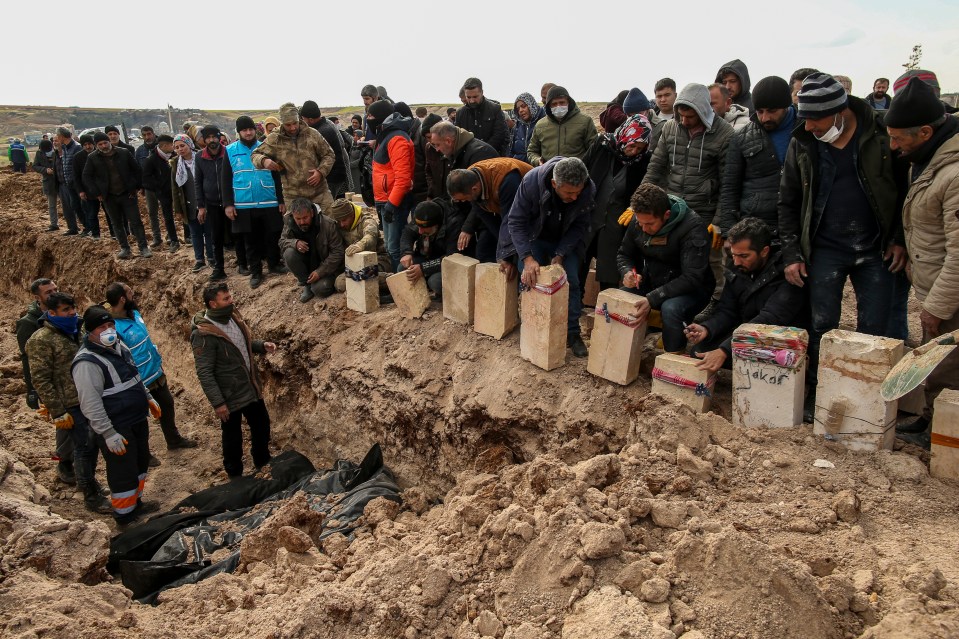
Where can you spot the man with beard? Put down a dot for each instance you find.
(66, 150)
(879, 99)
(459, 149)
(483, 117)
(312, 248)
(735, 77)
(141, 154)
(157, 178)
(338, 179)
(210, 200)
(253, 200)
(431, 237)
(928, 138)
(756, 292)
(754, 162)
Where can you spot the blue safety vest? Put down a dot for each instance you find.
(252, 188)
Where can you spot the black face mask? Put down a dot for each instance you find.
(375, 123)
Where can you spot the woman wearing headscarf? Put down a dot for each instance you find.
(528, 112)
(182, 170)
(617, 163)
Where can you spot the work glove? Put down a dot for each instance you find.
(43, 412)
(626, 217)
(116, 443)
(63, 422)
(716, 232)
(388, 212)
(33, 400)
(155, 409)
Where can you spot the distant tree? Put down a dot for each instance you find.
(914, 58)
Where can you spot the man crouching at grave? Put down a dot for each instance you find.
(360, 231)
(756, 292)
(423, 245)
(665, 257)
(548, 224)
(312, 249)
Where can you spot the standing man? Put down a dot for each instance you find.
(338, 179)
(27, 325)
(112, 176)
(114, 134)
(116, 403)
(157, 178)
(879, 99)
(67, 148)
(44, 163)
(253, 200)
(223, 349)
(839, 213)
(133, 333)
(141, 154)
(483, 117)
(722, 104)
(928, 138)
(17, 154)
(51, 351)
(665, 96)
(735, 77)
(393, 164)
(300, 155)
(565, 130)
(548, 224)
(90, 206)
(210, 198)
(312, 248)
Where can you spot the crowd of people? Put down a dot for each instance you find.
(719, 204)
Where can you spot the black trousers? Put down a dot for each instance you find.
(126, 473)
(258, 419)
(218, 221)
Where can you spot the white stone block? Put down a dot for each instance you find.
(459, 273)
(766, 393)
(615, 349)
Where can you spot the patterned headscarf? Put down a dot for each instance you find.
(186, 139)
(636, 128)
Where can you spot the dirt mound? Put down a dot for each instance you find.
(536, 504)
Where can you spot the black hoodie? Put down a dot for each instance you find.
(745, 98)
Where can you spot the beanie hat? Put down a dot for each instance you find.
(821, 95)
(342, 209)
(403, 109)
(110, 129)
(310, 110)
(428, 214)
(915, 105)
(289, 113)
(381, 109)
(46, 145)
(208, 130)
(772, 93)
(100, 136)
(95, 316)
(244, 122)
(86, 138)
(926, 76)
(429, 121)
(635, 102)
(271, 120)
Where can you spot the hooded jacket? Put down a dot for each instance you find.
(220, 365)
(208, 177)
(534, 201)
(485, 121)
(393, 161)
(298, 155)
(745, 98)
(570, 137)
(691, 168)
(522, 130)
(672, 264)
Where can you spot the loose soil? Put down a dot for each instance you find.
(536, 505)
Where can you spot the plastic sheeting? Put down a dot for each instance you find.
(177, 548)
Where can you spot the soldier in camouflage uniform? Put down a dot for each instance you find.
(360, 231)
(301, 156)
(51, 350)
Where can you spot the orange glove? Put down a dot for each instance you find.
(63, 422)
(155, 409)
(626, 217)
(717, 236)
(43, 412)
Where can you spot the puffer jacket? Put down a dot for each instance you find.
(881, 175)
(930, 218)
(750, 180)
(523, 130)
(691, 169)
(220, 366)
(745, 98)
(486, 122)
(673, 264)
(569, 138)
(298, 155)
(51, 354)
(737, 116)
(393, 161)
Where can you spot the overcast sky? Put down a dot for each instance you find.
(214, 54)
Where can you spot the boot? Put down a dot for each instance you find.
(94, 501)
(278, 269)
(256, 278)
(65, 473)
(707, 312)
(307, 294)
(920, 425)
(154, 462)
(180, 442)
(809, 407)
(576, 343)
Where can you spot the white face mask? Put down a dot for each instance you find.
(560, 112)
(108, 337)
(833, 133)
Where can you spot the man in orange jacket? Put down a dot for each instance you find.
(393, 162)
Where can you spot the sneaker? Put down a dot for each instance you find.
(156, 244)
(279, 269)
(154, 462)
(707, 312)
(218, 275)
(255, 280)
(96, 502)
(65, 233)
(918, 425)
(576, 343)
(242, 270)
(146, 252)
(198, 266)
(174, 247)
(306, 295)
(124, 254)
(183, 442)
(66, 474)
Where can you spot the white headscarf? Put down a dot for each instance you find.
(184, 168)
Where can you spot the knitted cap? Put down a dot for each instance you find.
(100, 136)
(342, 209)
(772, 93)
(289, 113)
(915, 105)
(245, 122)
(209, 130)
(310, 110)
(110, 129)
(635, 102)
(926, 76)
(381, 109)
(95, 316)
(821, 96)
(428, 214)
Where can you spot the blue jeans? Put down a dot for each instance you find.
(872, 282)
(674, 312)
(202, 235)
(544, 252)
(91, 215)
(71, 206)
(392, 231)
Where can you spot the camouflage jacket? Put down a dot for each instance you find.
(298, 156)
(365, 234)
(220, 366)
(51, 358)
(26, 327)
